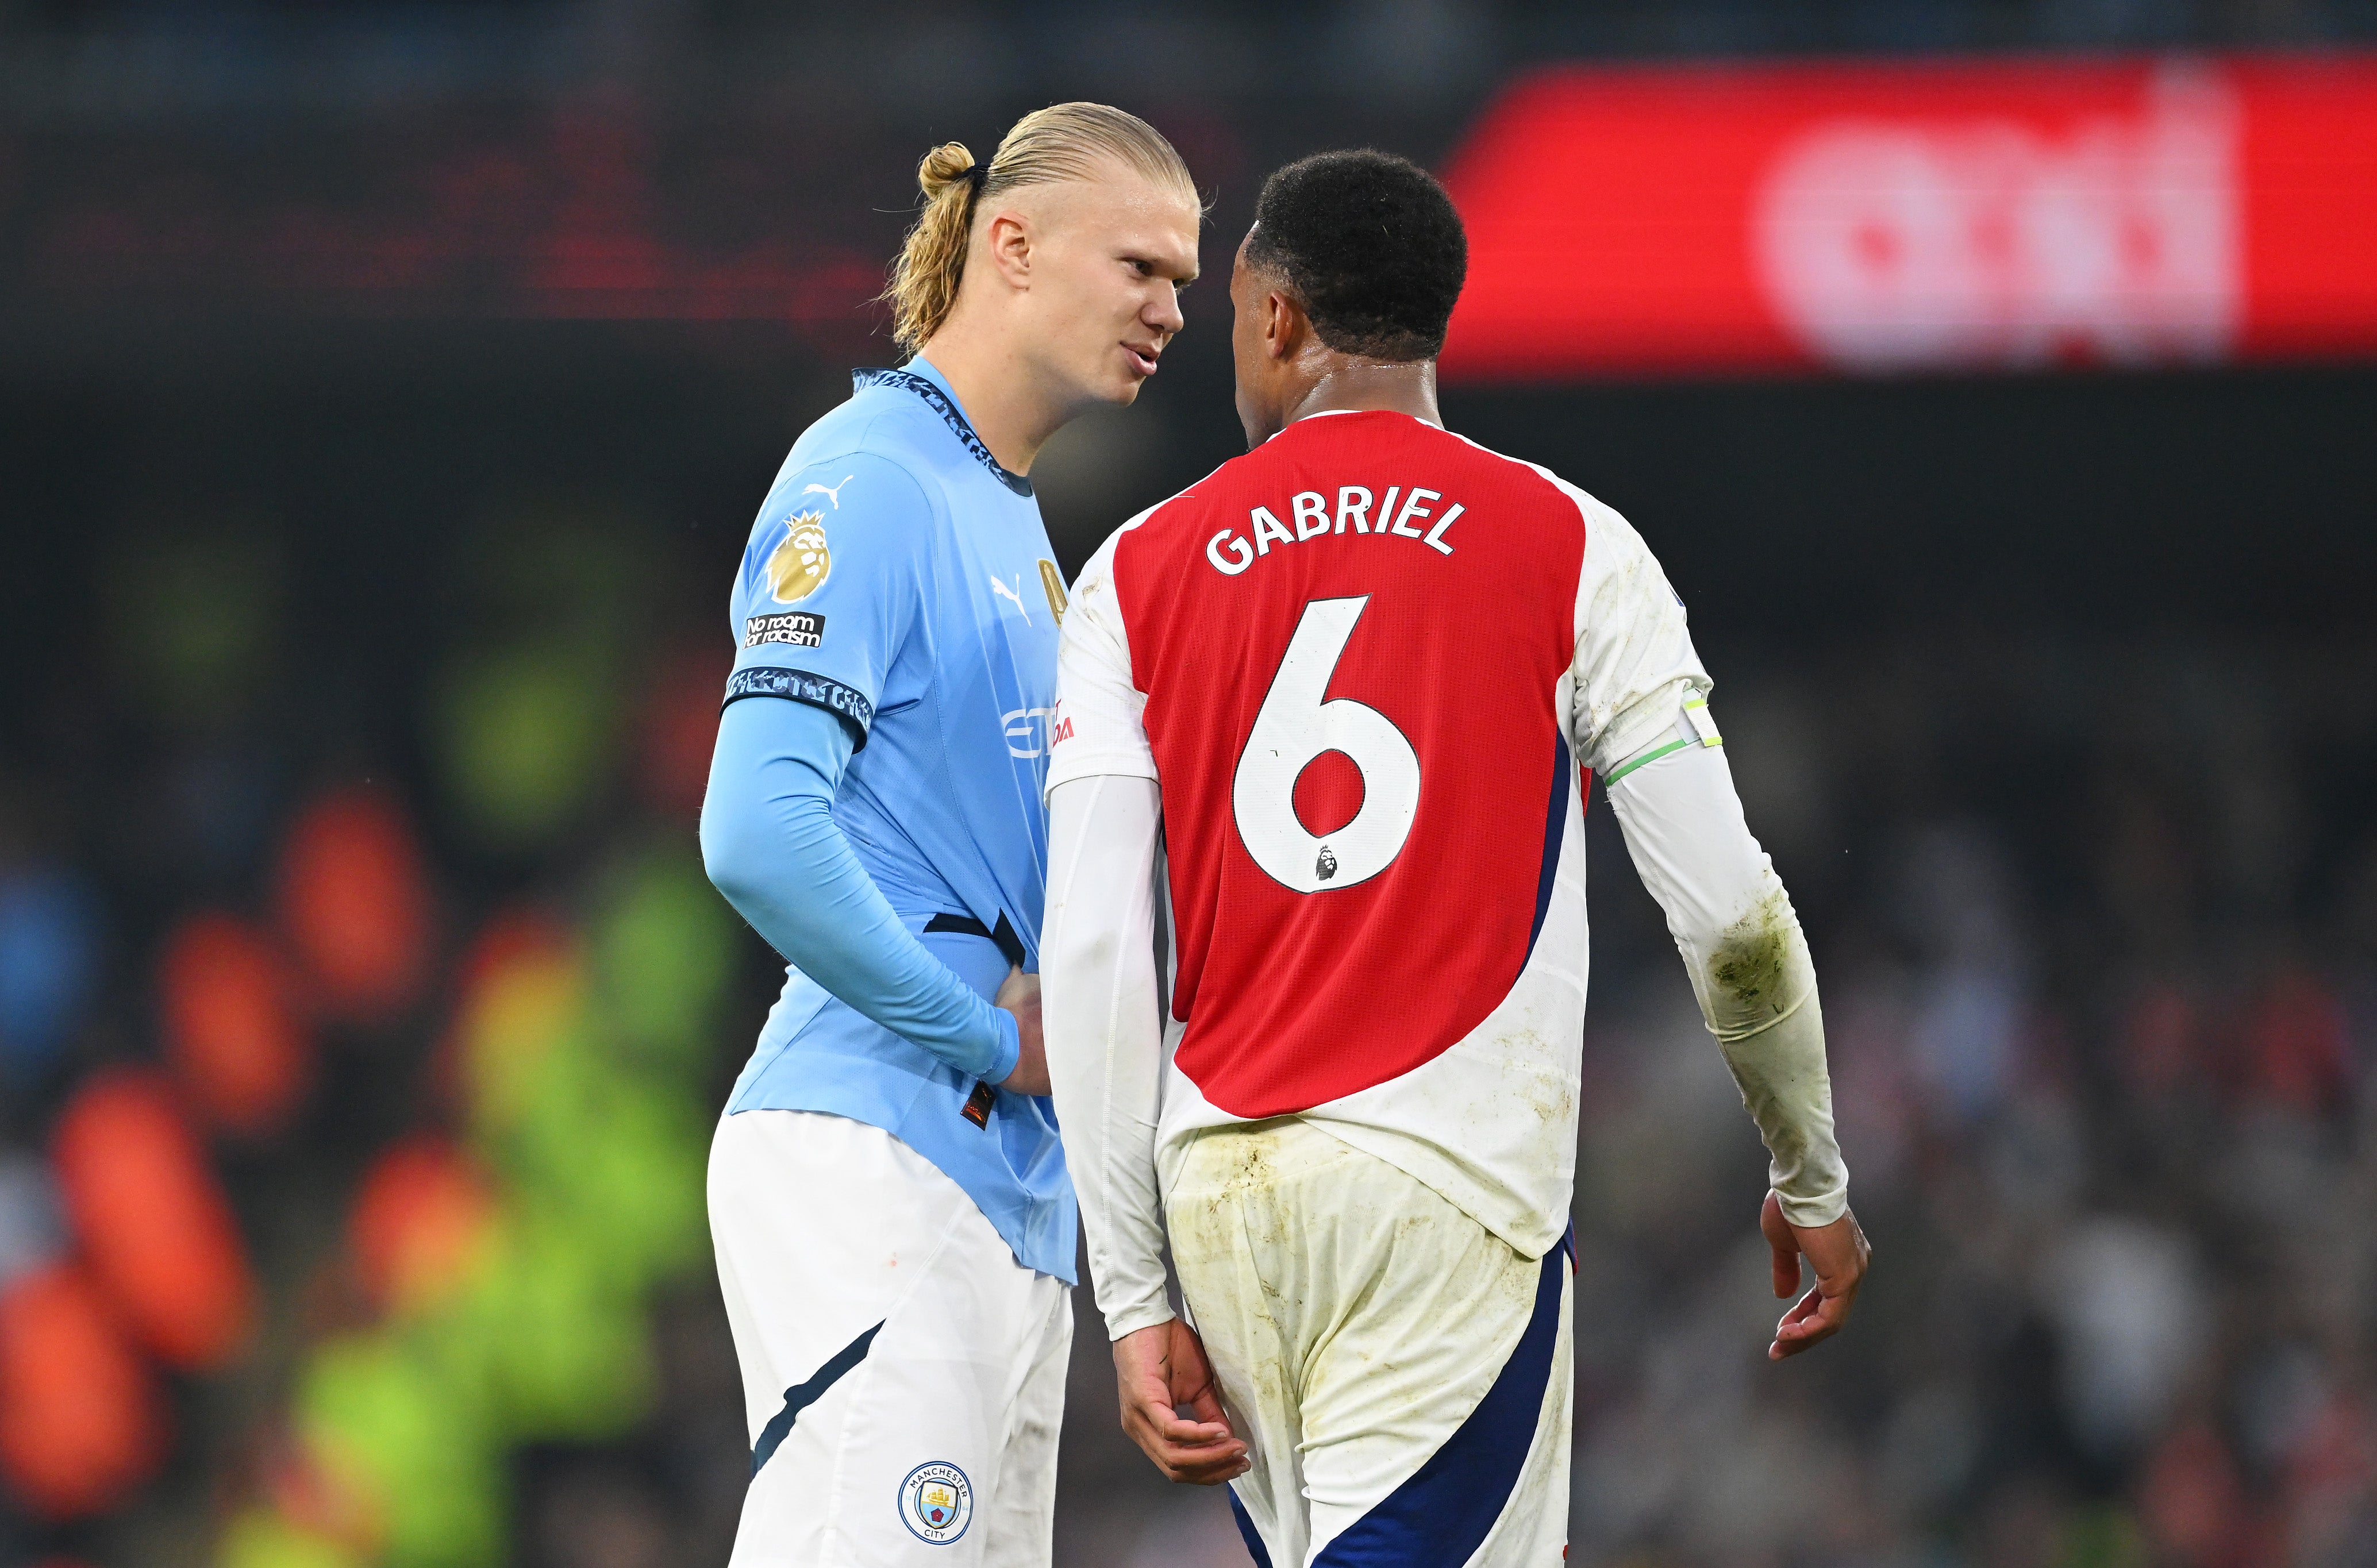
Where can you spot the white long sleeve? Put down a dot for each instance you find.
(1101, 1012)
(1748, 963)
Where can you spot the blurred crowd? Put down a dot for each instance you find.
(2094, 930)
(357, 1081)
(358, 1060)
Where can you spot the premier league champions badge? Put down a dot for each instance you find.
(937, 1502)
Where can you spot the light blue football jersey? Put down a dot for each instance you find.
(898, 577)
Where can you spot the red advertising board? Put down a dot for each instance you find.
(1884, 217)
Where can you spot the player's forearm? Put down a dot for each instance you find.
(1784, 1083)
(1105, 1044)
(770, 843)
(1748, 958)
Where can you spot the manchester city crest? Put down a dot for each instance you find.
(937, 1502)
(799, 567)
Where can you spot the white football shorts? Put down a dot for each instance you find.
(1399, 1372)
(903, 1376)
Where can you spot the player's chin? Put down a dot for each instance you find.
(1128, 371)
(1122, 388)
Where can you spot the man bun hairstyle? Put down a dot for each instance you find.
(1370, 244)
(1064, 141)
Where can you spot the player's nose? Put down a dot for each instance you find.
(1163, 313)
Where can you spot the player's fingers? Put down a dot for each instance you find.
(1186, 1451)
(1815, 1318)
(1206, 1405)
(1192, 1434)
(1786, 1272)
(1198, 1445)
(1784, 1245)
(1203, 1466)
(1210, 1474)
(1161, 1422)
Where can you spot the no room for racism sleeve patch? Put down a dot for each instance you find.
(796, 627)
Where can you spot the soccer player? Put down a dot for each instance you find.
(893, 1225)
(1337, 705)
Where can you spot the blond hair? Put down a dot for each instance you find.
(1064, 141)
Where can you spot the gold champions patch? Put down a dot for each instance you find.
(800, 565)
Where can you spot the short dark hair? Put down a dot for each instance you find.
(1371, 246)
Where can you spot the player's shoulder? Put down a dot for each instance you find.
(1607, 533)
(855, 462)
(1537, 476)
(1092, 598)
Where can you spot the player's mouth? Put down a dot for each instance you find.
(1142, 360)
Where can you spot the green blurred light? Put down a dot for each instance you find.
(663, 946)
(417, 1440)
(193, 614)
(526, 740)
(259, 1538)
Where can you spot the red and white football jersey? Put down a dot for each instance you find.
(1370, 665)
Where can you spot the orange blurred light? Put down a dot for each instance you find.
(354, 900)
(152, 1219)
(419, 1222)
(229, 1030)
(81, 1423)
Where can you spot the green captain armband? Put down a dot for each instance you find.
(1695, 727)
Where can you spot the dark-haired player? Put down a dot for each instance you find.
(1338, 701)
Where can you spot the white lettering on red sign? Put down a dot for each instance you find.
(1898, 244)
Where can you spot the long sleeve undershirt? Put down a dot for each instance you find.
(771, 845)
(1098, 997)
(1747, 958)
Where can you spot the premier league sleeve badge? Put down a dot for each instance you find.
(937, 1502)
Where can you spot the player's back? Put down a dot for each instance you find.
(1364, 650)
(1351, 641)
(1360, 663)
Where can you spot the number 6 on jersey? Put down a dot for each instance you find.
(1294, 727)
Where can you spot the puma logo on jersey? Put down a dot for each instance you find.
(832, 494)
(999, 588)
(1231, 554)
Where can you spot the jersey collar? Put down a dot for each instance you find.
(919, 376)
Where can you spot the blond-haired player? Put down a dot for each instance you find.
(894, 1228)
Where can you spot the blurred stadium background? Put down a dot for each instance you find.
(385, 392)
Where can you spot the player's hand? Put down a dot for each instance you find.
(1156, 1372)
(1021, 996)
(1839, 1253)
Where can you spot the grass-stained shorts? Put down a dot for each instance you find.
(1400, 1373)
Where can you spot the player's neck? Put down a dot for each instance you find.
(1406, 387)
(1008, 406)
(1011, 402)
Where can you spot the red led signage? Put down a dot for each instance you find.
(1873, 217)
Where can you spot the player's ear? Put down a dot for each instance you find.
(1006, 246)
(1284, 325)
